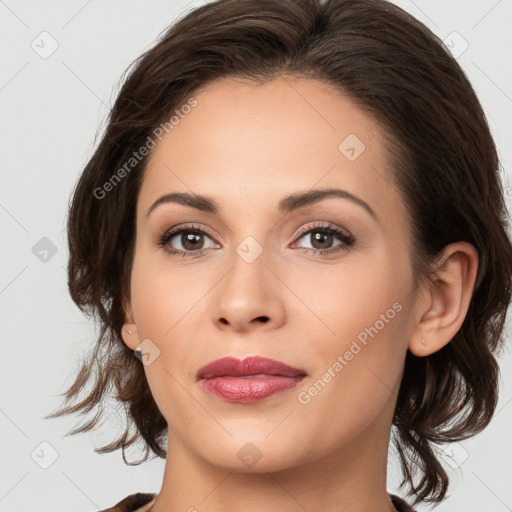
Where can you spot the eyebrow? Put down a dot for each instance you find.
(287, 204)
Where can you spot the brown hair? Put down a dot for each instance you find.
(445, 164)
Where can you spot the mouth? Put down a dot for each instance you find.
(249, 380)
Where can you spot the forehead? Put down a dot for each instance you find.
(258, 142)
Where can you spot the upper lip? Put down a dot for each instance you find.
(253, 365)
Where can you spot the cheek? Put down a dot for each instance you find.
(349, 299)
(163, 306)
(358, 370)
(163, 299)
(363, 315)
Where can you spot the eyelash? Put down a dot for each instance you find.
(348, 240)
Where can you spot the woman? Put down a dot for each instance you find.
(294, 220)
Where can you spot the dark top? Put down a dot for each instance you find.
(135, 501)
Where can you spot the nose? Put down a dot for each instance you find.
(249, 297)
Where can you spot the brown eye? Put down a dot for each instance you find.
(322, 239)
(187, 241)
(191, 241)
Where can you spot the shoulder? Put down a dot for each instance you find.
(132, 503)
(400, 504)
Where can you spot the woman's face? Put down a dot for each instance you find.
(268, 278)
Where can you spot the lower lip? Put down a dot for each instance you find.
(248, 390)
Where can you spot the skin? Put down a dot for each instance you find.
(247, 147)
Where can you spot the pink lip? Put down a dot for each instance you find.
(240, 380)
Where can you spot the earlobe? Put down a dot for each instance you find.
(422, 347)
(444, 307)
(129, 330)
(130, 335)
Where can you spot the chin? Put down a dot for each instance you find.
(258, 455)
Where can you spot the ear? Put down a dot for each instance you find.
(129, 330)
(446, 299)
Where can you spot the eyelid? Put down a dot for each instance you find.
(174, 230)
(304, 229)
(325, 225)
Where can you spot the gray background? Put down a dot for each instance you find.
(52, 106)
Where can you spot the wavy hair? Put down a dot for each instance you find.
(443, 158)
